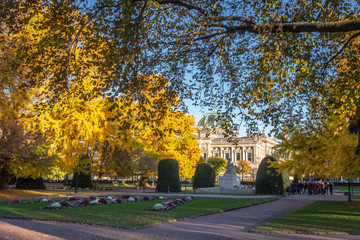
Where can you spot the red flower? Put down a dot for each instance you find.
(15, 201)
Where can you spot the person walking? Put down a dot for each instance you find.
(327, 187)
(310, 188)
(331, 186)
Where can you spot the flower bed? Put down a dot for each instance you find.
(17, 201)
(72, 188)
(72, 202)
(165, 206)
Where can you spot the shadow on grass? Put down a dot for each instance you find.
(319, 217)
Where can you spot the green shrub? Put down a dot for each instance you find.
(268, 181)
(84, 180)
(168, 176)
(218, 163)
(204, 176)
(29, 183)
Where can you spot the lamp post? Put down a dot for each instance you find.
(77, 178)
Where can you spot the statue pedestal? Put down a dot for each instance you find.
(229, 180)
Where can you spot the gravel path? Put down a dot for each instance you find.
(229, 225)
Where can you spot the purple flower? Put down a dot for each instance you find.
(85, 202)
(146, 198)
(168, 196)
(79, 202)
(92, 198)
(73, 198)
(64, 204)
(102, 201)
(126, 196)
(118, 200)
(14, 201)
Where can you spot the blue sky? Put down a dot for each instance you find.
(199, 112)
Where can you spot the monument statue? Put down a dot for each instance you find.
(230, 178)
(230, 168)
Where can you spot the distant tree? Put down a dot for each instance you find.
(218, 163)
(143, 165)
(243, 167)
(22, 153)
(111, 161)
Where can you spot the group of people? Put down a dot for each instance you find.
(311, 187)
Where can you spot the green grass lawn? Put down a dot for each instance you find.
(125, 214)
(319, 217)
(235, 193)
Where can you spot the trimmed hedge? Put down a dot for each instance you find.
(204, 176)
(30, 183)
(268, 181)
(168, 176)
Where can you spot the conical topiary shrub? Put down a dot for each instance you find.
(204, 176)
(168, 176)
(268, 181)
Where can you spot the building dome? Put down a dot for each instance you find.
(212, 120)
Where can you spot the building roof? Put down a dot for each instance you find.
(212, 120)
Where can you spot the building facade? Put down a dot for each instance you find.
(213, 143)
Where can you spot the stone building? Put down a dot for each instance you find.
(213, 143)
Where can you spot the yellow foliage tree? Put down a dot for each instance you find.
(320, 154)
(67, 75)
(80, 124)
(156, 124)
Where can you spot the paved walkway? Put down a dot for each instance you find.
(229, 225)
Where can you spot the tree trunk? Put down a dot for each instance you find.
(66, 180)
(5, 177)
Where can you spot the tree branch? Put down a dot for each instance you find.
(196, 39)
(183, 4)
(297, 27)
(339, 52)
